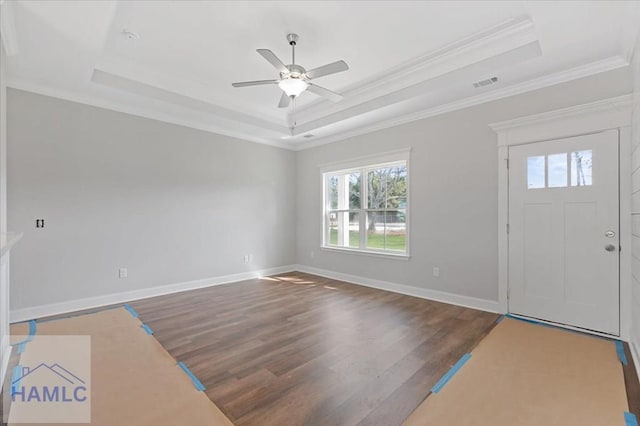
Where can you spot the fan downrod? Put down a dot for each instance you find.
(292, 38)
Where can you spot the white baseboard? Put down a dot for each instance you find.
(6, 355)
(24, 314)
(424, 293)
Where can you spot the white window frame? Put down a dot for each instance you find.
(363, 164)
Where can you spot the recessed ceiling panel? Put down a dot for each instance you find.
(400, 54)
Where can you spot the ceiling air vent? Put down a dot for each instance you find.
(130, 35)
(486, 82)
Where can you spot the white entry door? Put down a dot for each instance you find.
(563, 231)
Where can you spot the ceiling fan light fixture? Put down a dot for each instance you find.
(293, 79)
(293, 86)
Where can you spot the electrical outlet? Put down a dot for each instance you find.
(436, 271)
(39, 223)
(312, 254)
(122, 273)
(247, 258)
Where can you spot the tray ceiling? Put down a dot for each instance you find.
(407, 59)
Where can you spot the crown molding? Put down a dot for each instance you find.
(604, 65)
(132, 77)
(591, 117)
(7, 28)
(607, 64)
(96, 101)
(498, 39)
(619, 103)
(137, 87)
(450, 80)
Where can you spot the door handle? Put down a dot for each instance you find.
(610, 247)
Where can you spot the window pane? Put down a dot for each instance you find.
(396, 188)
(387, 187)
(557, 170)
(375, 230)
(376, 185)
(332, 192)
(352, 194)
(535, 172)
(396, 230)
(354, 190)
(354, 230)
(343, 191)
(581, 168)
(332, 233)
(344, 229)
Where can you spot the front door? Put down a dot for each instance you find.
(563, 231)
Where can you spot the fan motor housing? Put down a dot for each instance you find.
(296, 71)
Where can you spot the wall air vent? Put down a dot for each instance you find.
(486, 82)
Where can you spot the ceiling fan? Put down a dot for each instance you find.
(294, 79)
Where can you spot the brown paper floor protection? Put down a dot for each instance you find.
(134, 380)
(526, 374)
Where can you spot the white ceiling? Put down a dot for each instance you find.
(407, 59)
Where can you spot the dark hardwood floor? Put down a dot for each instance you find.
(300, 349)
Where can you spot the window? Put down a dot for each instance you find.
(365, 208)
(560, 170)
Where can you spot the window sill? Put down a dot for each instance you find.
(367, 253)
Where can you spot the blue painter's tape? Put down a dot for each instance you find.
(557, 327)
(192, 376)
(132, 311)
(445, 379)
(630, 419)
(500, 318)
(15, 379)
(32, 333)
(529, 320)
(146, 328)
(620, 350)
(75, 315)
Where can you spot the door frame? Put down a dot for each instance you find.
(593, 117)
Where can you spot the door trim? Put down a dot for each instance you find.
(595, 117)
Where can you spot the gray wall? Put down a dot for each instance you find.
(3, 140)
(4, 284)
(635, 199)
(173, 204)
(169, 203)
(454, 184)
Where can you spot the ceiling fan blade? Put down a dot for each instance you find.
(273, 59)
(331, 68)
(318, 90)
(284, 101)
(254, 83)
